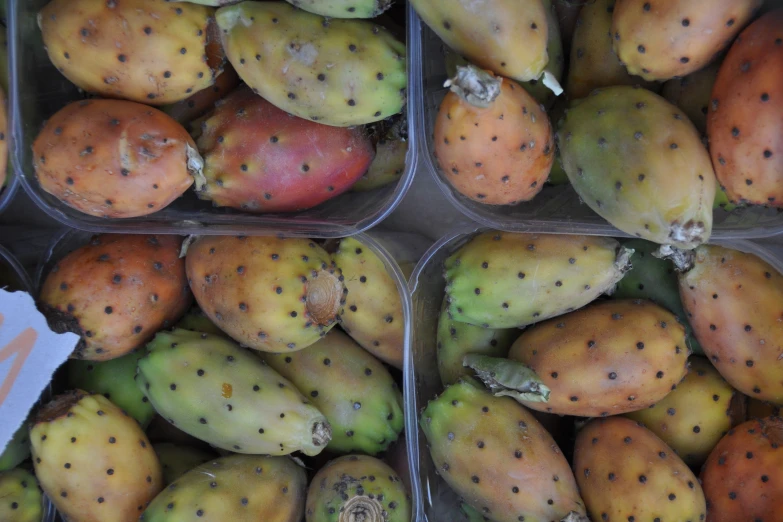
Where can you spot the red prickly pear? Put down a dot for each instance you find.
(195, 106)
(149, 51)
(114, 158)
(259, 158)
(116, 292)
(625, 472)
(742, 477)
(659, 40)
(745, 126)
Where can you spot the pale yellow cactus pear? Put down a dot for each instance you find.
(20, 496)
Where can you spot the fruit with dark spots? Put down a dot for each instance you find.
(744, 124)
(20, 496)
(216, 391)
(357, 487)
(271, 294)
(625, 472)
(355, 392)
(344, 8)
(498, 457)
(742, 477)
(196, 320)
(238, 488)
(116, 292)
(692, 94)
(176, 460)
(114, 158)
(93, 461)
(191, 109)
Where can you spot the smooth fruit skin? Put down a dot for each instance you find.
(216, 391)
(625, 472)
(637, 161)
(197, 321)
(20, 496)
(114, 158)
(741, 478)
(660, 40)
(116, 292)
(93, 460)
(609, 358)
(197, 104)
(734, 302)
(497, 456)
(17, 449)
(344, 8)
(507, 37)
(510, 280)
(271, 294)
(357, 487)
(260, 159)
(693, 417)
(336, 72)
(178, 460)
(744, 124)
(149, 51)
(498, 151)
(237, 488)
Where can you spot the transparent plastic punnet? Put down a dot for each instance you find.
(38, 90)
(556, 209)
(438, 503)
(7, 192)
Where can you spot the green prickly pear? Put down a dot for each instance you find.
(508, 280)
(271, 294)
(472, 514)
(216, 391)
(114, 380)
(373, 308)
(694, 417)
(692, 94)
(655, 279)
(20, 496)
(625, 472)
(336, 72)
(17, 450)
(197, 321)
(239, 488)
(344, 8)
(178, 460)
(357, 487)
(498, 457)
(350, 387)
(637, 161)
(389, 163)
(93, 460)
(455, 340)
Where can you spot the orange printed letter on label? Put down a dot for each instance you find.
(18, 349)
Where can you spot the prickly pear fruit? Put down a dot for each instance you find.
(593, 63)
(357, 487)
(93, 460)
(114, 158)
(259, 158)
(744, 124)
(455, 340)
(212, 389)
(114, 380)
(20, 497)
(197, 104)
(508, 280)
(741, 478)
(148, 51)
(554, 68)
(116, 292)
(344, 8)
(606, 359)
(637, 161)
(161, 431)
(17, 450)
(655, 279)
(373, 308)
(663, 40)
(178, 460)
(240, 488)
(498, 457)
(625, 472)
(350, 387)
(271, 294)
(734, 300)
(506, 37)
(692, 94)
(336, 72)
(390, 160)
(694, 417)
(493, 141)
(567, 16)
(197, 321)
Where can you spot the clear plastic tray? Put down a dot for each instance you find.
(7, 192)
(436, 501)
(38, 90)
(555, 209)
(408, 247)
